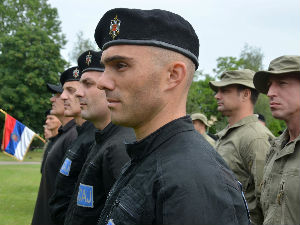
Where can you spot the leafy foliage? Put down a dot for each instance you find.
(29, 58)
(81, 45)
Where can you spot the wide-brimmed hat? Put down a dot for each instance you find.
(201, 117)
(243, 77)
(283, 65)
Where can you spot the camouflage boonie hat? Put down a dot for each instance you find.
(283, 65)
(201, 117)
(243, 77)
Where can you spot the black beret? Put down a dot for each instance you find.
(47, 113)
(71, 74)
(155, 27)
(90, 61)
(55, 88)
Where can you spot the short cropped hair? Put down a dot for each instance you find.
(254, 92)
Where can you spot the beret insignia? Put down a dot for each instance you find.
(88, 58)
(76, 73)
(114, 27)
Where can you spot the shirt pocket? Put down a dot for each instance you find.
(128, 207)
(289, 196)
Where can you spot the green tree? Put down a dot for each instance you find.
(250, 58)
(201, 98)
(81, 45)
(30, 43)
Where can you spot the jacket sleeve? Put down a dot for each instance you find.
(211, 197)
(255, 156)
(114, 159)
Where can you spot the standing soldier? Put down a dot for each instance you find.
(76, 155)
(200, 124)
(280, 195)
(57, 148)
(244, 143)
(108, 154)
(174, 176)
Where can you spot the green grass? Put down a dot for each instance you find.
(31, 156)
(18, 191)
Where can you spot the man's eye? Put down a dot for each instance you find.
(282, 82)
(121, 65)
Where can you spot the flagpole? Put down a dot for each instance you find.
(1, 110)
(39, 137)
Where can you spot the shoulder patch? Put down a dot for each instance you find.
(85, 196)
(66, 167)
(110, 222)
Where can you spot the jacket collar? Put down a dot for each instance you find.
(85, 126)
(283, 141)
(242, 122)
(140, 149)
(66, 127)
(101, 135)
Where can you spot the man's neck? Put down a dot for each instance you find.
(159, 120)
(293, 125)
(101, 124)
(79, 121)
(239, 115)
(64, 120)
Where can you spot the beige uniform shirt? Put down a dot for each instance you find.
(280, 196)
(244, 146)
(209, 139)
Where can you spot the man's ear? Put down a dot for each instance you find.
(177, 72)
(246, 94)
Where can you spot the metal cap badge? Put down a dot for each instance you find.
(114, 27)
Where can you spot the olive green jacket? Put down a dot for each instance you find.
(209, 139)
(244, 146)
(280, 196)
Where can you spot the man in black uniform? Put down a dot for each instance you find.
(108, 154)
(57, 148)
(76, 155)
(174, 176)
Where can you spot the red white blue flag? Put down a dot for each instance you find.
(16, 138)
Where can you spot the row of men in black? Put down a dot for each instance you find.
(173, 176)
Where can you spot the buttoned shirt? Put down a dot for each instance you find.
(244, 146)
(280, 195)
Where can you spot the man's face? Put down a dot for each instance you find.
(199, 126)
(57, 105)
(52, 122)
(47, 132)
(71, 102)
(131, 81)
(284, 96)
(228, 99)
(93, 102)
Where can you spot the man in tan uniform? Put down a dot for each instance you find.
(244, 143)
(280, 195)
(200, 124)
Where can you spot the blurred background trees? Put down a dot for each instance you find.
(201, 97)
(30, 43)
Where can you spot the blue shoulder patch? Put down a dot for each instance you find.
(66, 167)
(110, 222)
(85, 196)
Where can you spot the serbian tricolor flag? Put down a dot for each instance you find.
(16, 138)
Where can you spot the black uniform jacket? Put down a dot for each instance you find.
(70, 168)
(66, 135)
(48, 146)
(102, 167)
(175, 177)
